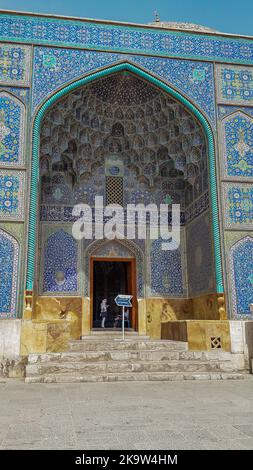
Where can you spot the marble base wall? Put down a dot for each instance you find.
(11, 364)
(241, 333)
(201, 335)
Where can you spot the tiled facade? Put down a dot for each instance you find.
(75, 49)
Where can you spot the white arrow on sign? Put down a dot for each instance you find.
(123, 300)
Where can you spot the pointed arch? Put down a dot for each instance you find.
(128, 248)
(124, 66)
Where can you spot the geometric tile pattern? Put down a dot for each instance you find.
(223, 110)
(166, 270)
(238, 202)
(55, 67)
(11, 194)
(9, 258)
(60, 263)
(235, 84)
(237, 145)
(92, 35)
(241, 273)
(21, 93)
(14, 64)
(200, 255)
(11, 130)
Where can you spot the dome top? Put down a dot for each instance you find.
(183, 26)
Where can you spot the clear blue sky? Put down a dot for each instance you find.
(234, 16)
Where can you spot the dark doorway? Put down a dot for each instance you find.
(111, 278)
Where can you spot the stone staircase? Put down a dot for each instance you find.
(105, 357)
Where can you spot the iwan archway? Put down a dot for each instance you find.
(162, 144)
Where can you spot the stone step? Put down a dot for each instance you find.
(142, 376)
(162, 354)
(128, 344)
(84, 367)
(111, 332)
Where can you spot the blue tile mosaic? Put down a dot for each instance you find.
(55, 67)
(166, 270)
(224, 110)
(237, 140)
(12, 127)
(238, 201)
(9, 258)
(200, 255)
(60, 263)
(11, 194)
(122, 38)
(14, 64)
(241, 269)
(235, 84)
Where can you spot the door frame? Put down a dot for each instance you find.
(132, 262)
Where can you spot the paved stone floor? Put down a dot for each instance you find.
(158, 415)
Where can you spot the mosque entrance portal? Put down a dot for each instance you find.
(108, 279)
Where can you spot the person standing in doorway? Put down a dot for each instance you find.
(103, 312)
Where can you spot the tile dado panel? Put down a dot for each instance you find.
(199, 251)
(60, 258)
(234, 84)
(167, 269)
(240, 259)
(55, 67)
(123, 38)
(12, 130)
(15, 65)
(238, 205)
(9, 261)
(12, 186)
(237, 145)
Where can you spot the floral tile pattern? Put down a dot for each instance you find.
(237, 140)
(164, 281)
(234, 84)
(122, 38)
(55, 67)
(241, 269)
(11, 194)
(238, 203)
(14, 65)
(9, 259)
(12, 128)
(60, 263)
(200, 255)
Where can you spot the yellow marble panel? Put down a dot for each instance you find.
(142, 317)
(58, 336)
(86, 316)
(205, 307)
(33, 337)
(199, 334)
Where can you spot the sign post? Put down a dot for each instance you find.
(123, 301)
